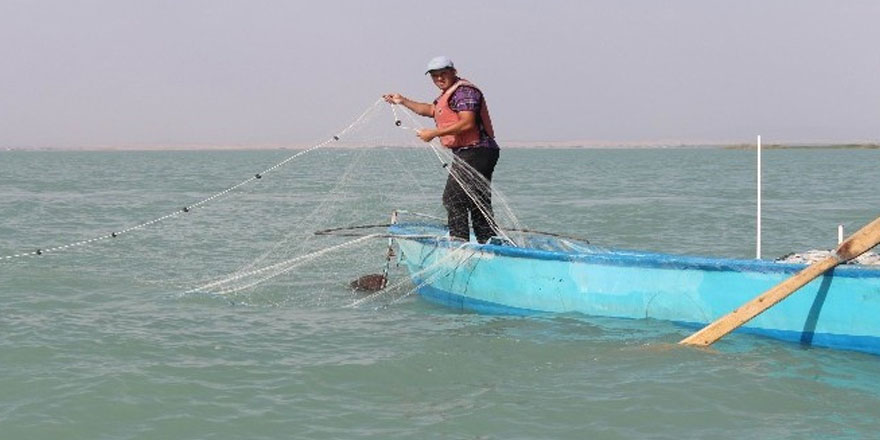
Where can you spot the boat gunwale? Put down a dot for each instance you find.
(623, 257)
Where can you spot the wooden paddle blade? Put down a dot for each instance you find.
(860, 242)
(855, 245)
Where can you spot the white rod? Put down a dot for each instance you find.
(758, 238)
(839, 234)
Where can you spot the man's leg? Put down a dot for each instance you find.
(455, 200)
(483, 161)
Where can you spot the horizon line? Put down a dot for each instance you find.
(585, 144)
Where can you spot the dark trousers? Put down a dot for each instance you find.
(456, 200)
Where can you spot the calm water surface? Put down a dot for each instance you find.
(101, 342)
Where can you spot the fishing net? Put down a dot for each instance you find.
(816, 255)
(255, 241)
(386, 169)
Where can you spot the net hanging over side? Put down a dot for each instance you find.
(358, 176)
(387, 168)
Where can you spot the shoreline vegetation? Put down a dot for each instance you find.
(511, 144)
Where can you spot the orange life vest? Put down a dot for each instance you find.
(444, 116)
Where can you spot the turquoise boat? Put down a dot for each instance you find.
(547, 273)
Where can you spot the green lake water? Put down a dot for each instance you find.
(102, 342)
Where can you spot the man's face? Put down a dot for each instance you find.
(443, 78)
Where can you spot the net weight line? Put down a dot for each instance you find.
(188, 208)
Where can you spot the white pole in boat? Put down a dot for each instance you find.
(839, 234)
(758, 238)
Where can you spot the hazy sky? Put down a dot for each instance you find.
(80, 72)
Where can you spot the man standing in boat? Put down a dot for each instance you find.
(464, 126)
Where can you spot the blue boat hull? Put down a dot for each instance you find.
(839, 310)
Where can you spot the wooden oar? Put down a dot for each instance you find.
(855, 245)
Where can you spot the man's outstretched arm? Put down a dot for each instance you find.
(419, 108)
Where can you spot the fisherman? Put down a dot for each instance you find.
(464, 126)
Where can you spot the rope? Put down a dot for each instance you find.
(188, 208)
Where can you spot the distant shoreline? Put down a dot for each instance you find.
(807, 147)
(511, 145)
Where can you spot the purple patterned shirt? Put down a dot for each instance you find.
(467, 98)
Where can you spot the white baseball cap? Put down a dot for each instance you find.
(438, 63)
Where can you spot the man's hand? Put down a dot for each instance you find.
(393, 98)
(426, 134)
(419, 108)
